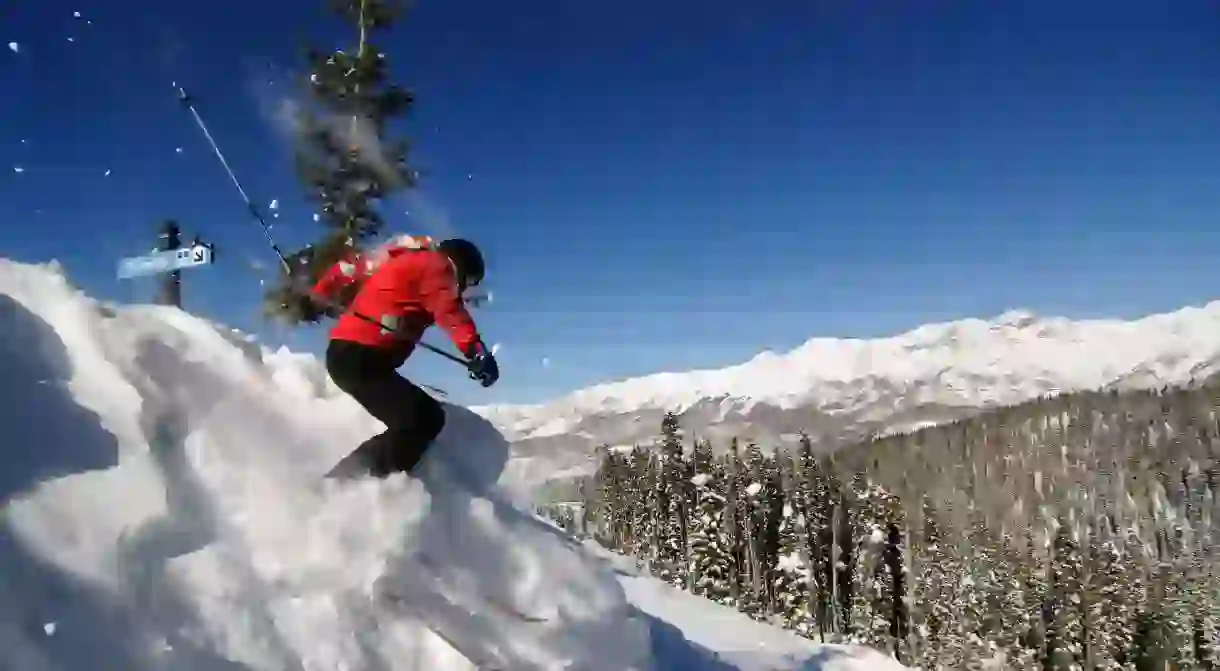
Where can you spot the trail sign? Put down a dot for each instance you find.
(156, 263)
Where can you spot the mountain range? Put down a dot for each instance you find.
(843, 390)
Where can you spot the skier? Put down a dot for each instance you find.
(401, 289)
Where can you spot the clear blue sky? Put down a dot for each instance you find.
(659, 185)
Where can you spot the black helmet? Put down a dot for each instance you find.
(466, 258)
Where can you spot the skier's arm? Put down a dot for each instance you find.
(338, 275)
(438, 289)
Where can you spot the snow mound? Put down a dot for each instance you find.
(161, 508)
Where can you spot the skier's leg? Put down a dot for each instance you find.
(417, 423)
(413, 419)
(412, 425)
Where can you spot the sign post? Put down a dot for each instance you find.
(170, 260)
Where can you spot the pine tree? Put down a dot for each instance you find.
(673, 483)
(658, 515)
(937, 582)
(343, 155)
(790, 584)
(639, 501)
(734, 531)
(1065, 642)
(711, 566)
(611, 501)
(897, 559)
(861, 554)
(1111, 602)
(815, 489)
(754, 600)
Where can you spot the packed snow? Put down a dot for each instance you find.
(734, 640)
(973, 362)
(161, 507)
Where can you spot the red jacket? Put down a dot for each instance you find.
(405, 289)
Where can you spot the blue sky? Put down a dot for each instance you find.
(658, 185)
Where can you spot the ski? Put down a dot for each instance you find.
(493, 603)
(445, 618)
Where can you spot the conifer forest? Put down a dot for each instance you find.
(1073, 532)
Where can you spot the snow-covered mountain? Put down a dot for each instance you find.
(161, 508)
(845, 389)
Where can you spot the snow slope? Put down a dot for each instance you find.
(160, 508)
(734, 639)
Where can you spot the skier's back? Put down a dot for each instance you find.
(402, 288)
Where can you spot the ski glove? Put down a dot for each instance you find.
(311, 311)
(482, 365)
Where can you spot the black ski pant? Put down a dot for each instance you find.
(413, 419)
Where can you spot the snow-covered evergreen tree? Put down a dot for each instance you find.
(608, 507)
(1065, 633)
(711, 566)
(754, 598)
(815, 496)
(1111, 604)
(790, 583)
(734, 532)
(671, 483)
(939, 643)
(345, 155)
(640, 501)
(865, 589)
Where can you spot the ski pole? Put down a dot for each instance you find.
(437, 350)
(431, 348)
(186, 100)
(437, 390)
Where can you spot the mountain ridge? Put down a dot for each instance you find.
(841, 389)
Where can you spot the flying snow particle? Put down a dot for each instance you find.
(178, 149)
(76, 14)
(495, 348)
(49, 628)
(71, 39)
(274, 204)
(14, 47)
(469, 177)
(317, 217)
(18, 169)
(546, 362)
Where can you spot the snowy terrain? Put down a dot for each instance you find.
(734, 639)
(160, 508)
(842, 389)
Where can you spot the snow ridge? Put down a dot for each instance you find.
(160, 508)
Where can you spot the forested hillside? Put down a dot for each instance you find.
(1071, 532)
